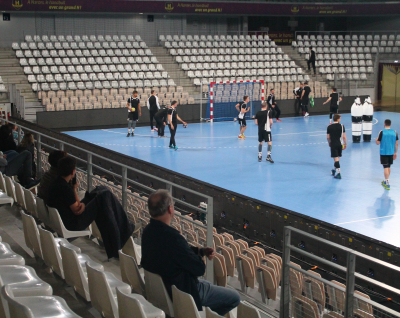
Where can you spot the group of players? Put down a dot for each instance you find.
(336, 133)
(167, 116)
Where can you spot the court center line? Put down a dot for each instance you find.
(380, 217)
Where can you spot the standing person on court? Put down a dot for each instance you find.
(272, 104)
(337, 140)
(173, 123)
(264, 122)
(389, 144)
(305, 98)
(297, 95)
(154, 106)
(311, 60)
(134, 112)
(161, 120)
(242, 109)
(335, 100)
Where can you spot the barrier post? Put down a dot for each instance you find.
(124, 188)
(39, 155)
(285, 287)
(89, 172)
(350, 282)
(210, 238)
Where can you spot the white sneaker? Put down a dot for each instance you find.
(306, 115)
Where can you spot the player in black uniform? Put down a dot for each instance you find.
(154, 106)
(297, 95)
(173, 124)
(337, 141)
(305, 99)
(335, 100)
(311, 60)
(242, 109)
(134, 112)
(264, 122)
(161, 119)
(272, 104)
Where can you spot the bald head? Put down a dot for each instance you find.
(159, 202)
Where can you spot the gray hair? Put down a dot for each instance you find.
(159, 202)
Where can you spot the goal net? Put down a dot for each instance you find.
(224, 96)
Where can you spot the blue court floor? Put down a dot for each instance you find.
(299, 180)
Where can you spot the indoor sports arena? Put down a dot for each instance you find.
(199, 159)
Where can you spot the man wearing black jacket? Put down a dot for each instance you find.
(166, 252)
(161, 120)
(311, 60)
(154, 106)
(272, 104)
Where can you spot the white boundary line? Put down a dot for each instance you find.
(380, 217)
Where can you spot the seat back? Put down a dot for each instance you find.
(73, 271)
(184, 305)
(131, 249)
(247, 311)
(30, 203)
(55, 221)
(269, 280)
(157, 294)
(220, 270)
(129, 306)
(31, 234)
(42, 212)
(16, 309)
(50, 251)
(100, 292)
(211, 314)
(3, 184)
(19, 195)
(130, 273)
(10, 188)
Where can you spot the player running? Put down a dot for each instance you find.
(335, 100)
(337, 141)
(242, 109)
(264, 122)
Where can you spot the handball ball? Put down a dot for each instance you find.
(133, 109)
(234, 119)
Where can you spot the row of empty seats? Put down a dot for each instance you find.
(78, 38)
(348, 37)
(215, 45)
(197, 38)
(46, 86)
(2, 86)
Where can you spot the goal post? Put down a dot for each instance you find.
(223, 96)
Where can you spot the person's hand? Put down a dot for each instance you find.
(395, 156)
(164, 124)
(4, 156)
(185, 123)
(208, 252)
(329, 145)
(344, 146)
(76, 185)
(172, 127)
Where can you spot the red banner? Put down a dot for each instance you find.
(203, 8)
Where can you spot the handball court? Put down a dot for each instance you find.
(299, 180)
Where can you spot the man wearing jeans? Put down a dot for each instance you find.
(166, 252)
(20, 165)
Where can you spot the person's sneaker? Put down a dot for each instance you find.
(338, 176)
(269, 159)
(128, 135)
(278, 119)
(306, 115)
(171, 146)
(156, 129)
(32, 183)
(152, 130)
(132, 134)
(386, 186)
(333, 171)
(240, 137)
(176, 148)
(259, 158)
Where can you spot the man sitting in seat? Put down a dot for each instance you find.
(51, 175)
(166, 252)
(100, 205)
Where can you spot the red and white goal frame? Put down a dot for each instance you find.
(232, 82)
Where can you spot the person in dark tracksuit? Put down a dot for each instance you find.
(297, 95)
(311, 60)
(161, 120)
(173, 124)
(154, 106)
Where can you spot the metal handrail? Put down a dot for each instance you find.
(168, 184)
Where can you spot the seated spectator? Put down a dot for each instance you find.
(100, 206)
(21, 166)
(6, 139)
(166, 252)
(28, 143)
(51, 175)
